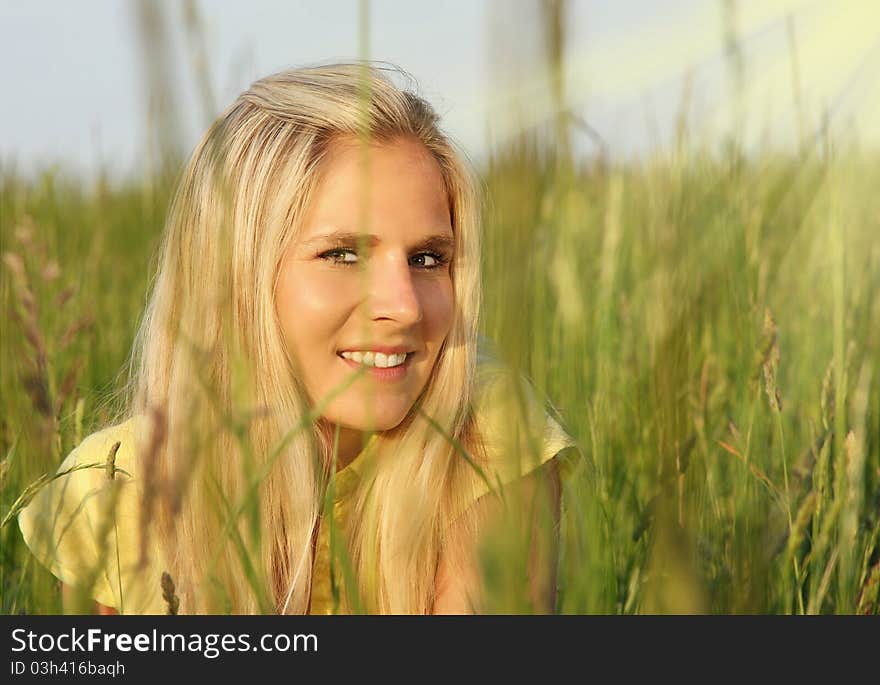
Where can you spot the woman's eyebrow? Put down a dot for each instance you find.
(438, 242)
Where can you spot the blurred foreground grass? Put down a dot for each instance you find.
(708, 327)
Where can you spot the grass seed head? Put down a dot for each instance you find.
(110, 464)
(771, 362)
(171, 600)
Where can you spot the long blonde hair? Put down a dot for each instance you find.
(245, 472)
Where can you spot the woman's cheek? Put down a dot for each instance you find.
(440, 307)
(315, 290)
(325, 301)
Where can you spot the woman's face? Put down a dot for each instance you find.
(367, 282)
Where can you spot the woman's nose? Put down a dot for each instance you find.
(393, 291)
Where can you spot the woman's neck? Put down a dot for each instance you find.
(351, 442)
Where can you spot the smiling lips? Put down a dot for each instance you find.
(375, 359)
(384, 363)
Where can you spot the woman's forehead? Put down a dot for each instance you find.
(349, 161)
(386, 187)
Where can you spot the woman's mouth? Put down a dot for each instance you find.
(379, 365)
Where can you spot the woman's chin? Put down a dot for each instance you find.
(363, 419)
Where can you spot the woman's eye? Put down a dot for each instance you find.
(340, 256)
(345, 256)
(426, 260)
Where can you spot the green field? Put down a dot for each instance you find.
(707, 326)
(706, 323)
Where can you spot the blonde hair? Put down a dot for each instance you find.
(244, 486)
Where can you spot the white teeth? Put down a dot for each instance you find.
(378, 359)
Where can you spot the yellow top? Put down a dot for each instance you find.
(68, 531)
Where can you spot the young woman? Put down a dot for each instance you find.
(309, 427)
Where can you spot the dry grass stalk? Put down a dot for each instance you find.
(26, 313)
(110, 463)
(69, 383)
(757, 472)
(63, 297)
(106, 525)
(168, 595)
(5, 465)
(84, 323)
(148, 472)
(826, 401)
(31, 490)
(802, 521)
(868, 602)
(34, 381)
(770, 362)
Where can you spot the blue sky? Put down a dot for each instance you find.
(74, 71)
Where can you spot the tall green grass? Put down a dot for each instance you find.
(706, 323)
(706, 327)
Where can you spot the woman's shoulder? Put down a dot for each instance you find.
(85, 524)
(518, 429)
(104, 456)
(513, 418)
